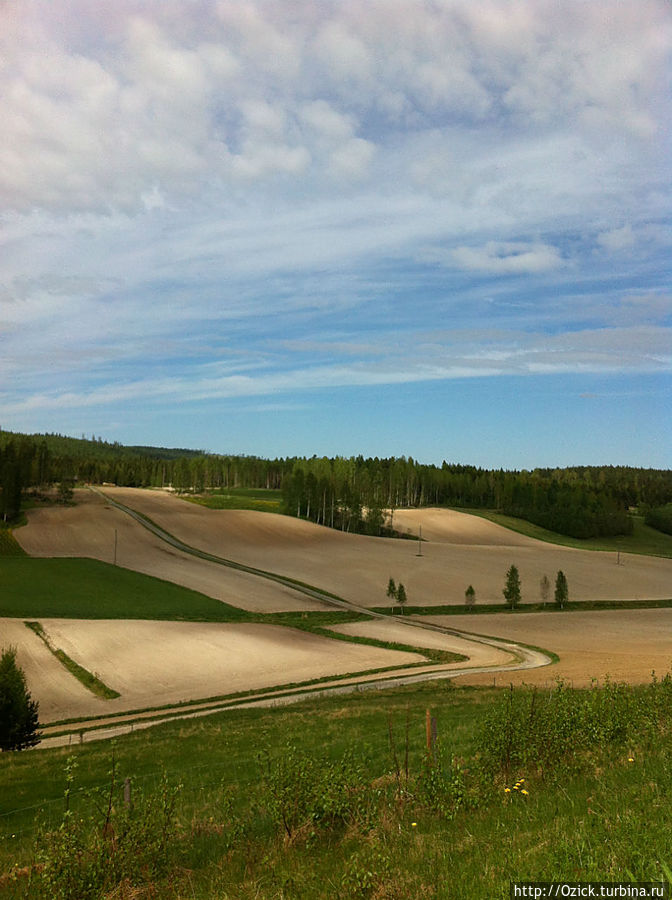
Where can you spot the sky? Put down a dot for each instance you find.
(401, 227)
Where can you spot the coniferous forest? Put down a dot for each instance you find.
(353, 494)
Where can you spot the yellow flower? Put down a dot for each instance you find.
(516, 787)
(525, 792)
(414, 824)
(631, 759)
(507, 790)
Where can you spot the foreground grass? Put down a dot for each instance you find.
(644, 540)
(562, 785)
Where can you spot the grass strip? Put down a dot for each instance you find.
(232, 701)
(9, 546)
(89, 680)
(576, 606)
(644, 540)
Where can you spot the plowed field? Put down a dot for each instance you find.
(626, 645)
(463, 550)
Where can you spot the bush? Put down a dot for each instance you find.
(18, 712)
(660, 518)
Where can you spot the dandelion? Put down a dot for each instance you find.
(516, 787)
(631, 759)
(526, 793)
(414, 824)
(507, 790)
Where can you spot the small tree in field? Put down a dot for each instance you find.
(469, 598)
(544, 589)
(18, 712)
(512, 588)
(392, 590)
(561, 590)
(401, 597)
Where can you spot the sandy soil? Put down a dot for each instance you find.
(447, 526)
(58, 693)
(627, 645)
(87, 529)
(358, 568)
(479, 654)
(156, 663)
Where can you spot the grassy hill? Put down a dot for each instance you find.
(340, 798)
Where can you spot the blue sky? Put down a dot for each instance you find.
(436, 229)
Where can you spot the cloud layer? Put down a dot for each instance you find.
(216, 200)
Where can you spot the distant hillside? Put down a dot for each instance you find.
(79, 448)
(352, 494)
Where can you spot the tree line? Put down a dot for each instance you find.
(354, 494)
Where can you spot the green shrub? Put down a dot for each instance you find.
(111, 843)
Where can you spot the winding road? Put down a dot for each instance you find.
(99, 728)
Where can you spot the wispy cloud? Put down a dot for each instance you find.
(259, 200)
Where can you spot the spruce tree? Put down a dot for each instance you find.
(18, 712)
(512, 588)
(561, 590)
(469, 598)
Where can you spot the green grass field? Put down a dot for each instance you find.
(644, 539)
(258, 499)
(89, 589)
(248, 823)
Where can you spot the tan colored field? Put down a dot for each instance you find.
(87, 530)
(397, 632)
(59, 694)
(156, 663)
(625, 644)
(358, 568)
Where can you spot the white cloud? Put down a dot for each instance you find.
(617, 239)
(507, 258)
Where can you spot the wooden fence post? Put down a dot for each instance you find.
(431, 731)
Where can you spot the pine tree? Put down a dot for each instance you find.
(561, 590)
(469, 598)
(512, 588)
(18, 712)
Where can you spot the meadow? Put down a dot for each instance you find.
(333, 799)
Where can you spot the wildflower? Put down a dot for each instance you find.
(507, 790)
(631, 759)
(516, 787)
(414, 824)
(526, 793)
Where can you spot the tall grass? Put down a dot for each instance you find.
(555, 785)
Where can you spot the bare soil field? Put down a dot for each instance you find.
(58, 693)
(627, 645)
(448, 526)
(87, 530)
(398, 632)
(358, 568)
(157, 663)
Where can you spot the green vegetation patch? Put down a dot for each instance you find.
(644, 540)
(256, 499)
(89, 589)
(9, 546)
(88, 679)
(342, 799)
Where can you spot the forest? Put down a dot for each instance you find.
(354, 494)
